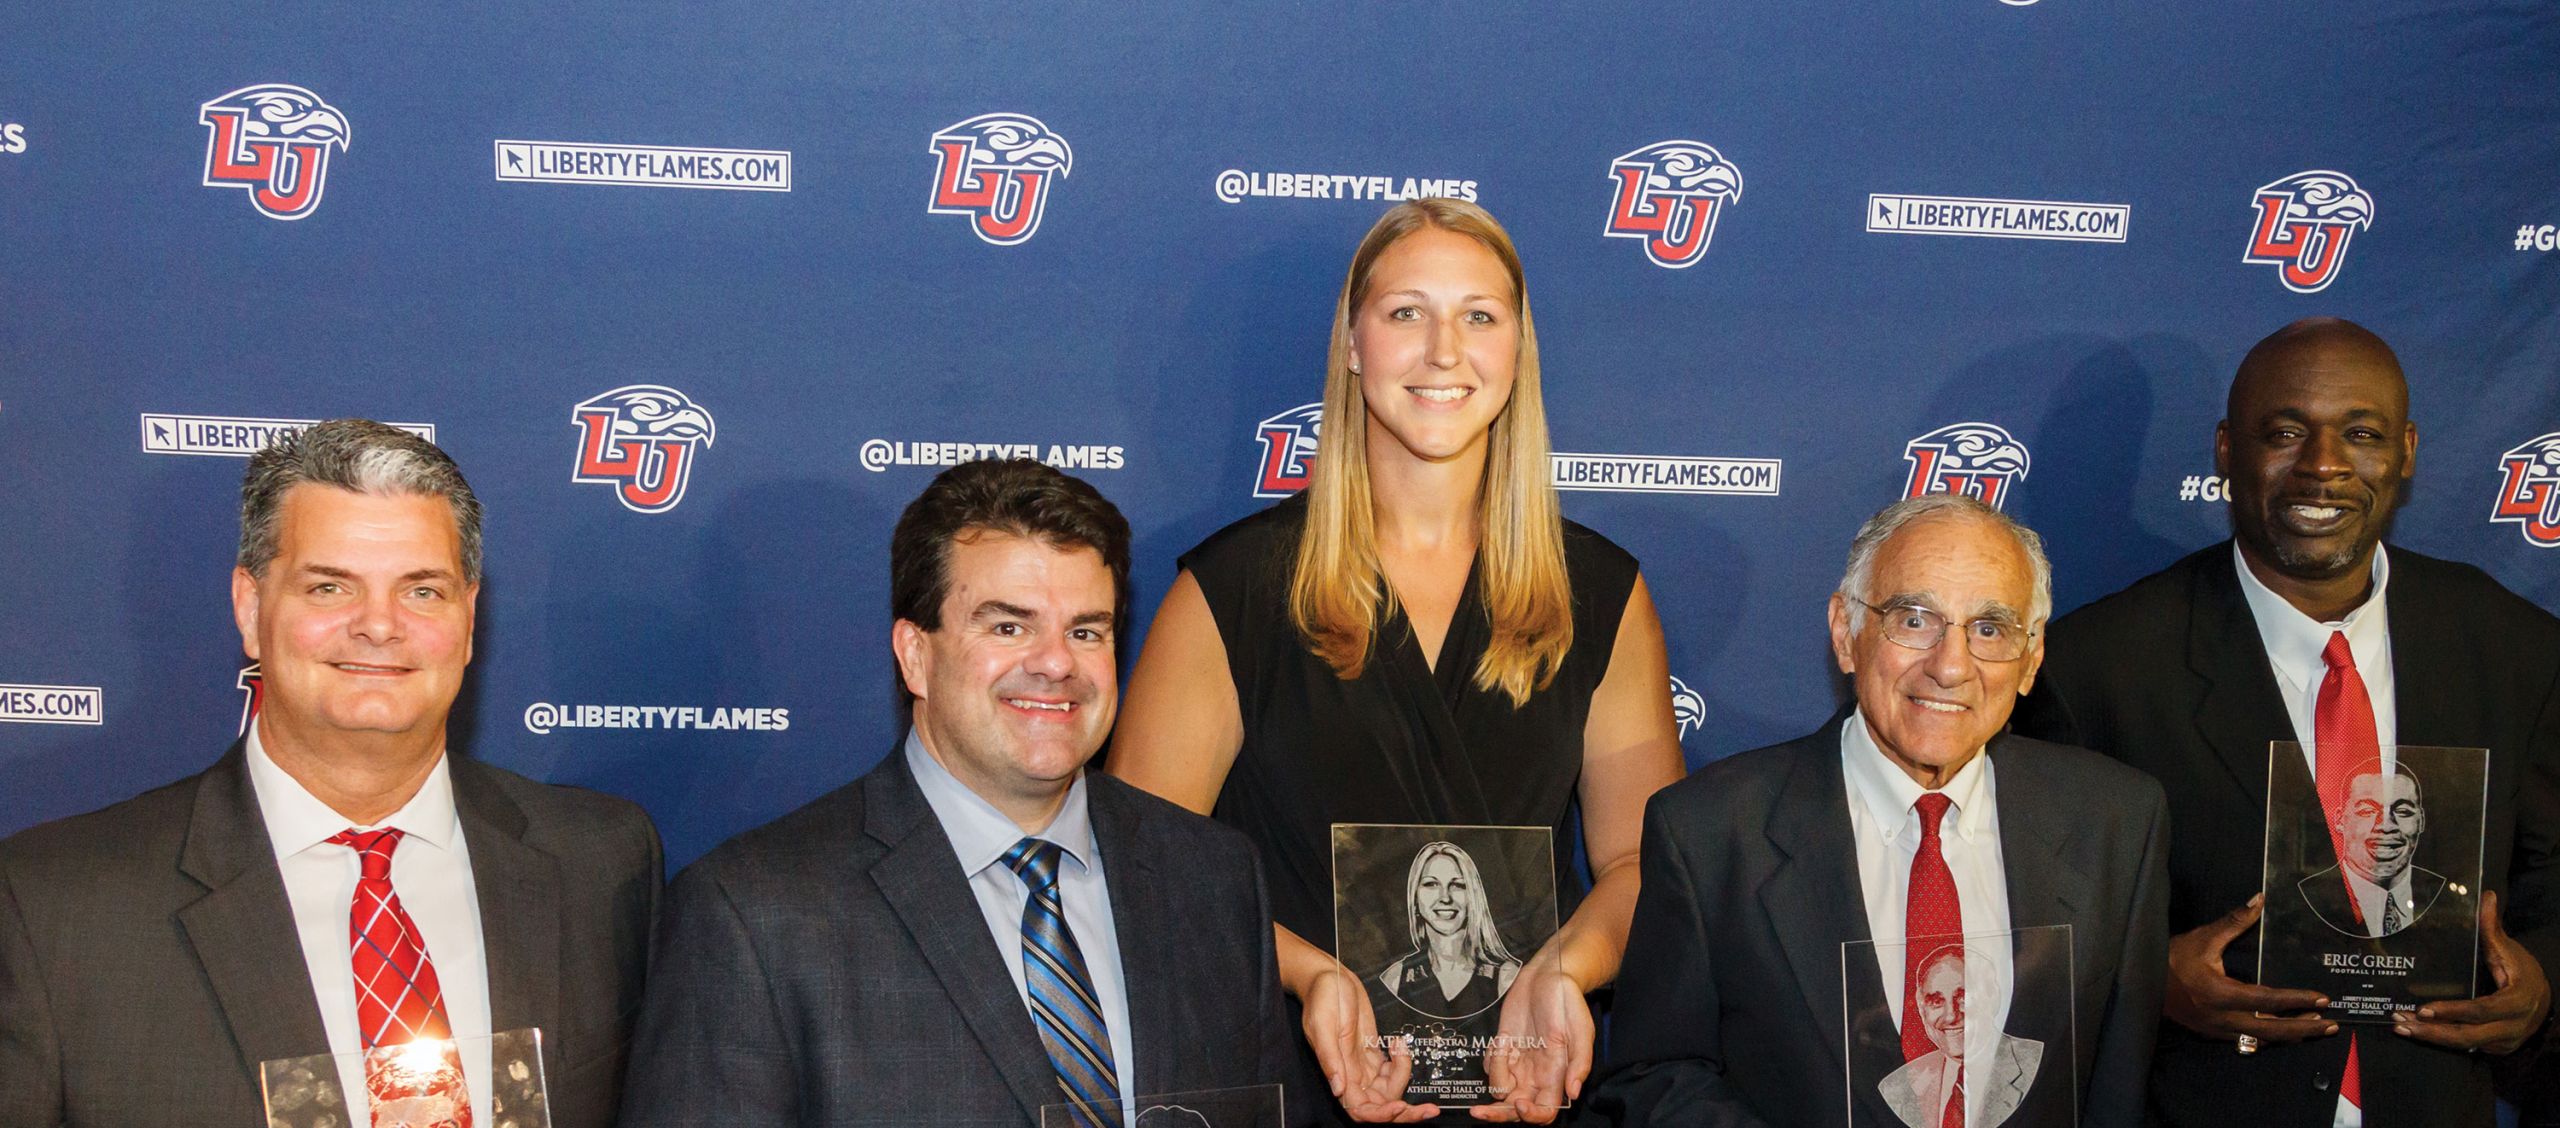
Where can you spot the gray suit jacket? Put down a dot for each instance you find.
(1912, 1090)
(149, 962)
(833, 968)
(1730, 1001)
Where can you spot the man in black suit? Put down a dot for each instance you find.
(154, 953)
(894, 952)
(2190, 673)
(1909, 820)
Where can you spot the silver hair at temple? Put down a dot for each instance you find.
(361, 456)
(1891, 519)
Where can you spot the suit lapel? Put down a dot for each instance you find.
(920, 879)
(2043, 883)
(242, 930)
(1144, 918)
(2431, 668)
(518, 887)
(1812, 899)
(2046, 887)
(2224, 648)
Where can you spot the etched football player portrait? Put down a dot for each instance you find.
(2377, 888)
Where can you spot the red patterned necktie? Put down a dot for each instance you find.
(398, 1000)
(1931, 911)
(1954, 1116)
(2344, 736)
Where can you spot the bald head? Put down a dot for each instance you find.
(2316, 344)
(2316, 441)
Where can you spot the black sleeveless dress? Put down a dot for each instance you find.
(1402, 743)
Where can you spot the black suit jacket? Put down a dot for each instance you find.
(149, 961)
(833, 968)
(2170, 676)
(1730, 998)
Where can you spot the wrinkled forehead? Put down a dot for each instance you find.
(1957, 565)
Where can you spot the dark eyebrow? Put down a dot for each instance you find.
(995, 607)
(1090, 618)
(336, 573)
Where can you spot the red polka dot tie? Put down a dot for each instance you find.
(1931, 920)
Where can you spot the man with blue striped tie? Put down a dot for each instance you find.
(978, 927)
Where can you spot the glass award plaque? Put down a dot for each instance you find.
(1987, 1024)
(1246, 1106)
(481, 1082)
(2373, 894)
(1437, 921)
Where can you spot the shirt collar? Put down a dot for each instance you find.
(2294, 640)
(979, 833)
(297, 820)
(1889, 794)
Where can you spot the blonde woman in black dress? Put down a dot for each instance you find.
(1418, 638)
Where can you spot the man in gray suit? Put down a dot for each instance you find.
(1912, 821)
(978, 928)
(154, 953)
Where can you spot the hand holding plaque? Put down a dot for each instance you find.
(1436, 920)
(1542, 1050)
(2495, 1023)
(2372, 877)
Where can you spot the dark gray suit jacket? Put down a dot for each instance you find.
(2170, 676)
(149, 961)
(833, 968)
(1730, 999)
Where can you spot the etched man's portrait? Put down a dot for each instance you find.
(1952, 986)
(2377, 888)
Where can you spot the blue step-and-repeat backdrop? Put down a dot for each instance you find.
(701, 294)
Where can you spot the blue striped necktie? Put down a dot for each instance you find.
(1063, 1004)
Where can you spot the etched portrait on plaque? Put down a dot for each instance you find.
(2372, 877)
(494, 1080)
(1979, 1031)
(1437, 920)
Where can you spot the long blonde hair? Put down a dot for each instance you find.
(1338, 592)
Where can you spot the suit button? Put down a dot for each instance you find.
(2320, 1081)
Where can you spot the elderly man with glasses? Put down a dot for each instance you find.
(1908, 822)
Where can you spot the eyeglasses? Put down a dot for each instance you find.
(1992, 640)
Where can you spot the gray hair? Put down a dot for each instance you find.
(358, 455)
(1891, 519)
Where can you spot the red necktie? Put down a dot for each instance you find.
(397, 997)
(1954, 1116)
(1931, 911)
(2344, 736)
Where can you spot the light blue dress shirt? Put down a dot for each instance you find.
(980, 835)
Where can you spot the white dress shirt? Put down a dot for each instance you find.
(431, 874)
(2294, 642)
(2369, 898)
(980, 835)
(1886, 824)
